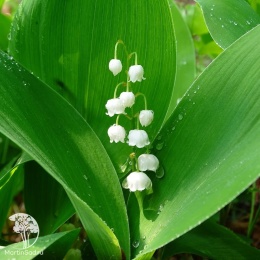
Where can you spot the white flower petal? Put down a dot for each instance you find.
(116, 133)
(146, 117)
(115, 106)
(128, 98)
(138, 138)
(137, 181)
(148, 162)
(115, 66)
(136, 73)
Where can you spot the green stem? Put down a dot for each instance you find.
(117, 119)
(118, 42)
(137, 122)
(250, 223)
(117, 86)
(130, 56)
(145, 101)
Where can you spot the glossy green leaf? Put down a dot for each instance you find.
(57, 137)
(5, 24)
(212, 241)
(227, 20)
(73, 56)
(53, 246)
(209, 148)
(45, 199)
(185, 58)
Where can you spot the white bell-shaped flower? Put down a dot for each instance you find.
(138, 138)
(115, 106)
(146, 117)
(116, 133)
(115, 66)
(128, 98)
(148, 162)
(136, 73)
(137, 181)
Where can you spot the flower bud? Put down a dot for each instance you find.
(116, 133)
(128, 98)
(115, 66)
(146, 117)
(137, 181)
(148, 162)
(115, 106)
(136, 73)
(138, 138)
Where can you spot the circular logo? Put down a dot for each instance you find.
(26, 226)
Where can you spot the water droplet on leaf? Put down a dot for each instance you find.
(135, 244)
(180, 116)
(159, 146)
(160, 172)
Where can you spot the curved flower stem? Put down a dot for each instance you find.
(145, 102)
(117, 119)
(130, 56)
(117, 43)
(117, 86)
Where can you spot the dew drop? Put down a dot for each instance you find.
(159, 137)
(222, 26)
(173, 128)
(180, 116)
(135, 244)
(160, 172)
(144, 237)
(195, 92)
(235, 23)
(85, 177)
(112, 229)
(159, 146)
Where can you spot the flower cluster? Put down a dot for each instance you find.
(137, 180)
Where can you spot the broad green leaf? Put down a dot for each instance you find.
(57, 137)
(45, 199)
(213, 241)
(185, 58)
(227, 20)
(73, 56)
(209, 148)
(53, 246)
(5, 24)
